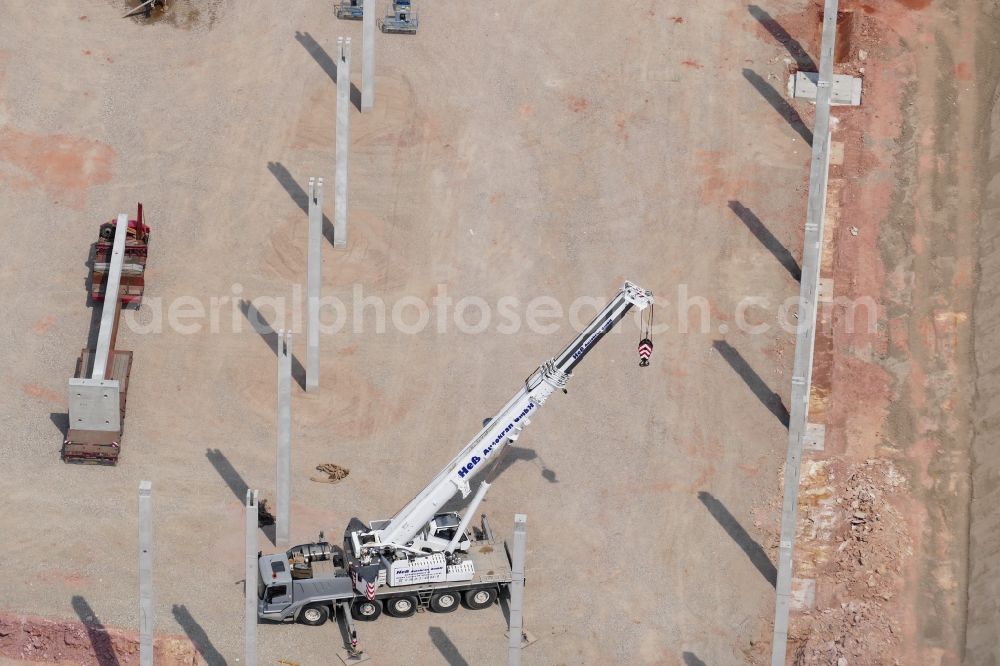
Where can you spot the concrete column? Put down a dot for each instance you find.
(313, 288)
(147, 614)
(343, 140)
(517, 591)
(284, 466)
(368, 57)
(250, 587)
(806, 334)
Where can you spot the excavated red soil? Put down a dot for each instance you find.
(39, 640)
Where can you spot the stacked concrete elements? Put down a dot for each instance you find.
(368, 57)
(147, 614)
(94, 404)
(343, 117)
(516, 627)
(284, 459)
(314, 256)
(250, 583)
(805, 339)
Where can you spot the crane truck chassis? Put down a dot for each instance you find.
(422, 558)
(307, 582)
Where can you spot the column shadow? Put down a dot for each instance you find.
(446, 647)
(767, 239)
(100, 641)
(691, 659)
(270, 336)
(779, 104)
(793, 46)
(326, 63)
(298, 195)
(228, 473)
(747, 544)
(197, 634)
(767, 397)
(503, 600)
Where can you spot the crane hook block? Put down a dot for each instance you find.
(645, 351)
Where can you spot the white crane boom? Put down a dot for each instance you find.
(506, 426)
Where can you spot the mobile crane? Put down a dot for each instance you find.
(423, 557)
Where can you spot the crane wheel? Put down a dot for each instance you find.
(479, 599)
(444, 602)
(314, 615)
(404, 606)
(364, 610)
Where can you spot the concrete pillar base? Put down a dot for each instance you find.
(527, 638)
(348, 658)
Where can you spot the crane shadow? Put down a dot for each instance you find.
(767, 239)
(197, 634)
(792, 45)
(100, 641)
(446, 647)
(512, 454)
(747, 544)
(270, 336)
(298, 195)
(326, 63)
(228, 473)
(691, 659)
(767, 397)
(779, 104)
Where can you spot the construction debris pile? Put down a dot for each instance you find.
(871, 546)
(334, 473)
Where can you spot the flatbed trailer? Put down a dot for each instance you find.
(132, 282)
(98, 390)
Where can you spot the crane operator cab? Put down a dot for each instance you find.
(441, 530)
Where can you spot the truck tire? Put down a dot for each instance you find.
(404, 606)
(479, 599)
(364, 610)
(444, 602)
(314, 615)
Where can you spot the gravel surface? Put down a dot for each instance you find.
(542, 151)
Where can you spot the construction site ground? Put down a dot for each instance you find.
(544, 150)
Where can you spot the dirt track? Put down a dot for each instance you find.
(510, 154)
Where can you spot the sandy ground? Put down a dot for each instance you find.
(885, 507)
(502, 160)
(510, 154)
